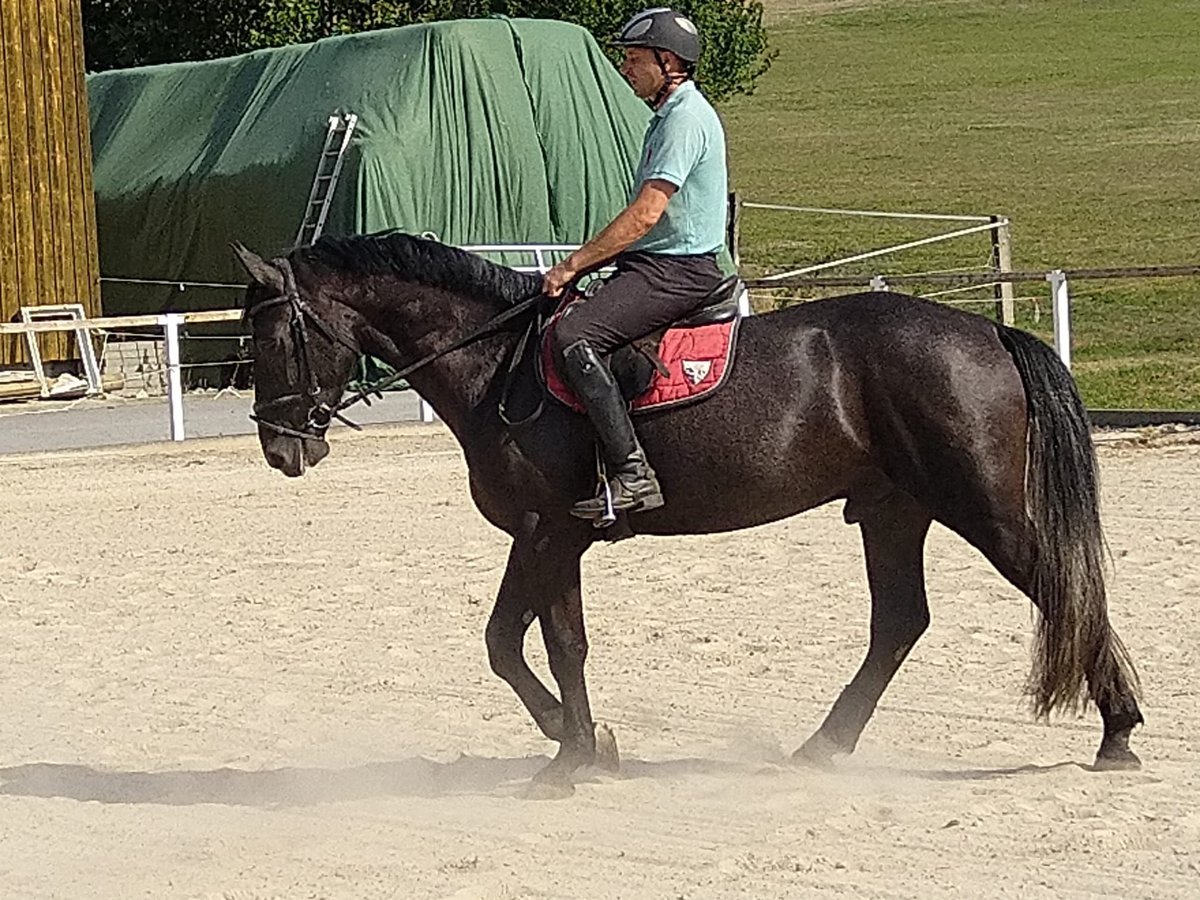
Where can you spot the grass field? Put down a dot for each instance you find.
(1079, 120)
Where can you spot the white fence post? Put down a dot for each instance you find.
(1002, 261)
(1060, 297)
(171, 323)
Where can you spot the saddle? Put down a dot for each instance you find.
(684, 362)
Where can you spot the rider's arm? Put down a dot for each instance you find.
(631, 224)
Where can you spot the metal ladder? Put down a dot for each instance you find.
(329, 167)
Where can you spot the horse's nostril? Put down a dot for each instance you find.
(315, 451)
(276, 454)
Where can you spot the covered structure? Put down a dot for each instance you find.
(481, 131)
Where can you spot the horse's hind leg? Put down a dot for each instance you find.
(1119, 710)
(1010, 548)
(893, 532)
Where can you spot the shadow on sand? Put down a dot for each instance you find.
(415, 777)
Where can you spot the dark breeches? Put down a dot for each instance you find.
(648, 292)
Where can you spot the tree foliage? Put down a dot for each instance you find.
(735, 41)
(125, 33)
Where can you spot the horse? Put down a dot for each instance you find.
(907, 410)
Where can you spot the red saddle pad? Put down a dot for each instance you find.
(697, 358)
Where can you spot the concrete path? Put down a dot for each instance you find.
(49, 425)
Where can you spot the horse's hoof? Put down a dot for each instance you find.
(548, 789)
(608, 757)
(1123, 760)
(817, 752)
(556, 781)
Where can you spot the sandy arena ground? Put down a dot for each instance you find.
(220, 683)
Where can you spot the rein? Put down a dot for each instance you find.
(320, 414)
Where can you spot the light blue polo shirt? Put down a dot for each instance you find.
(685, 145)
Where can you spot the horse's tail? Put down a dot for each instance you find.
(1074, 639)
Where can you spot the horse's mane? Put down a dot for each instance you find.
(425, 261)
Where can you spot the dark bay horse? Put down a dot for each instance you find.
(909, 411)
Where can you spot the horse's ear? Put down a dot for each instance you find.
(258, 268)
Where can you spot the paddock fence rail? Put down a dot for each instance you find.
(173, 326)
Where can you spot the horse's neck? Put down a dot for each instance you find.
(409, 322)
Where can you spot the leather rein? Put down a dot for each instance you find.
(320, 414)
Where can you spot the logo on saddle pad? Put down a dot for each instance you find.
(696, 370)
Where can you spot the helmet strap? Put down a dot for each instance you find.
(670, 79)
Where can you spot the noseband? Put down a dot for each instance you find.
(321, 414)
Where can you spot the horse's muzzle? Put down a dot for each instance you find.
(290, 455)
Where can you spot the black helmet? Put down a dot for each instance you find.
(661, 28)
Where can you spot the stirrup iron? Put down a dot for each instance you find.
(610, 515)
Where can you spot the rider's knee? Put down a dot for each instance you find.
(564, 338)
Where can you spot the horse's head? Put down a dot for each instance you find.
(304, 350)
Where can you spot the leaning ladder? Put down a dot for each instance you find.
(329, 167)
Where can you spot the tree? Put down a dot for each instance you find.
(735, 56)
(124, 33)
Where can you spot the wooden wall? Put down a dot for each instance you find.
(47, 209)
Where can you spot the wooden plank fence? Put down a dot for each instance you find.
(48, 252)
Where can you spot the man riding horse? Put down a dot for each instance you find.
(911, 412)
(663, 245)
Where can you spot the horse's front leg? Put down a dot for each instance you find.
(582, 741)
(542, 580)
(516, 606)
(566, 650)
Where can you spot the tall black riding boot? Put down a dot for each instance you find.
(631, 480)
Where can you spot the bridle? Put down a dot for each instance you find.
(320, 414)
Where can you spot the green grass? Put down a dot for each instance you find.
(1079, 120)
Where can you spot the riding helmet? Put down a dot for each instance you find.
(662, 28)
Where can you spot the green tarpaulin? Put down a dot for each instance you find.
(481, 131)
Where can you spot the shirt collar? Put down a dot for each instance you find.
(677, 95)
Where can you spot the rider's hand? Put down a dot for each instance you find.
(557, 279)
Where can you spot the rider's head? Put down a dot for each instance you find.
(661, 50)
